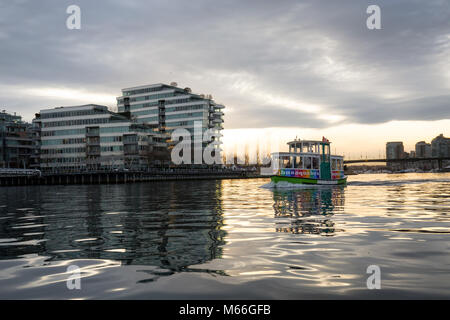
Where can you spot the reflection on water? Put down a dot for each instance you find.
(228, 239)
(140, 224)
(308, 210)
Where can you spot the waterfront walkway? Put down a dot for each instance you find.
(113, 177)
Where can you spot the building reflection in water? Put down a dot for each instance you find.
(167, 225)
(308, 210)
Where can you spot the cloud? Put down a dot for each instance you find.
(428, 108)
(274, 116)
(272, 63)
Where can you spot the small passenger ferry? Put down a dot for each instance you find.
(308, 162)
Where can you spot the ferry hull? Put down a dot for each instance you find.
(298, 180)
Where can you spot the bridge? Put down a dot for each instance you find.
(440, 159)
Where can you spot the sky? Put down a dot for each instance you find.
(283, 69)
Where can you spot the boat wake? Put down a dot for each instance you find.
(287, 185)
(395, 182)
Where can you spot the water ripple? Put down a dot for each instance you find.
(230, 238)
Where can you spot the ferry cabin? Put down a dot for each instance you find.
(309, 159)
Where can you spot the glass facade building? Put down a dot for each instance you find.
(16, 145)
(90, 137)
(170, 107)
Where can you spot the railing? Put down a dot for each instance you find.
(8, 172)
(152, 171)
(395, 160)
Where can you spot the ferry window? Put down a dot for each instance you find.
(315, 163)
(307, 162)
(333, 164)
(341, 166)
(299, 162)
(276, 160)
(285, 163)
(292, 161)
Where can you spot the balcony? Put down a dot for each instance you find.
(92, 131)
(130, 139)
(93, 141)
(93, 151)
(130, 150)
(92, 134)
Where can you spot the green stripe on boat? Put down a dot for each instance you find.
(297, 180)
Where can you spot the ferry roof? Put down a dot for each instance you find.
(306, 154)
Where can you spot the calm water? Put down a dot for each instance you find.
(228, 239)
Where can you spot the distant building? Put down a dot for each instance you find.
(15, 141)
(440, 147)
(35, 159)
(423, 149)
(395, 150)
(412, 154)
(170, 107)
(90, 137)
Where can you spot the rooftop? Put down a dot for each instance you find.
(84, 106)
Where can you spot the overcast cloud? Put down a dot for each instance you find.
(307, 64)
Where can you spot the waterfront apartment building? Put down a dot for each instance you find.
(169, 107)
(90, 137)
(395, 150)
(15, 141)
(35, 159)
(440, 147)
(423, 149)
